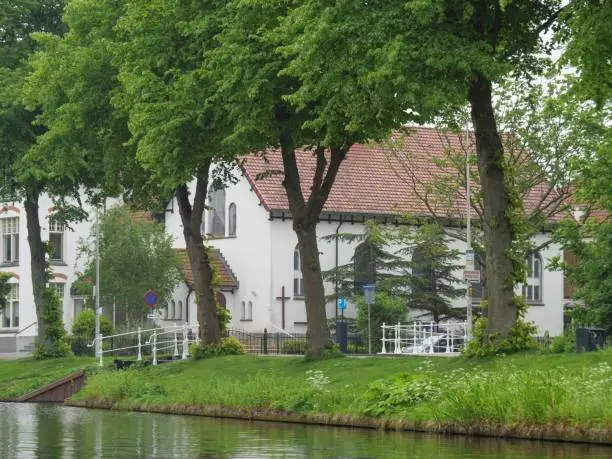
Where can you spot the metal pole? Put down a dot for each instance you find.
(97, 290)
(468, 299)
(175, 341)
(139, 345)
(369, 330)
(384, 349)
(114, 308)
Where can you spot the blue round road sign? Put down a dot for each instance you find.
(151, 298)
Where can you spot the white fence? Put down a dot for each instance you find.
(424, 338)
(174, 338)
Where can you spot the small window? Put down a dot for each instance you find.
(232, 219)
(9, 229)
(298, 279)
(180, 309)
(216, 213)
(243, 311)
(532, 290)
(250, 311)
(172, 309)
(56, 240)
(59, 288)
(9, 317)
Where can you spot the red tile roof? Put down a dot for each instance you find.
(373, 180)
(227, 279)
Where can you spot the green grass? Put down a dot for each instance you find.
(18, 377)
(536, 389)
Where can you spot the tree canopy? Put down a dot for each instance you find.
(136, 255)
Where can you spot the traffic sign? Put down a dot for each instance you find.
(151, 298)
(150, 316)
(469, 260)
(342, 303)
(472, 276)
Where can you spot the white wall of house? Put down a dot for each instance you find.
(247, 253)
(64, 269)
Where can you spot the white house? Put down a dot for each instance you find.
(250, 227)
(18, 322)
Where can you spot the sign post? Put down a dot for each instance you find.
(151, 299)
(341, 328)
(369, 292)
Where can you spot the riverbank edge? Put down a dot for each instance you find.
(558, 433)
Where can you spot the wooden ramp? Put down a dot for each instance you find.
(57, 391)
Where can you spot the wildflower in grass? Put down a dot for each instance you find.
(317, 379)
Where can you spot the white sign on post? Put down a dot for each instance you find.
(469, 260)
(472, 276)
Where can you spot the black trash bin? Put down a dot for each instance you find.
(342, 335)
(590, 339)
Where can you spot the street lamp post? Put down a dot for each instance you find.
(468, 299)
(97, 290)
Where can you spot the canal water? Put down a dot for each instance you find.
(56, 431)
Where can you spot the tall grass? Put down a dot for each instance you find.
(571, 390)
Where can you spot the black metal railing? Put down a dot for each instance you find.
(276, 343)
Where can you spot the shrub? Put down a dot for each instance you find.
(83, 331)
(386, 309)
(227, 346)
(294, 346)
(520, 337)
(55, 341)
(225, 317)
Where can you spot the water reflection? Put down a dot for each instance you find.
(55, 431)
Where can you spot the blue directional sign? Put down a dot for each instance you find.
(151, 298)
(342, 303)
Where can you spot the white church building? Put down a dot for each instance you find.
(249, 226)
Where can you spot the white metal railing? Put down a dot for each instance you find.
(173, 337)
(424, 338)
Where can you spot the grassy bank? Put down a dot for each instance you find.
(536, 396)
(18, 377)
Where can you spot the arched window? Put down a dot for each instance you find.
(532, 290)
(250, 311)
(232, 219)
(172, 309)
(167, 312)
(243, 311)
(180, 309)
(364, 261)
(298, 279)
(423, 279)
(216, 214)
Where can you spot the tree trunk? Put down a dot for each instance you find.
(37, 260)
(502, 312)
(305, 214)
(319, 336)
(191, 217)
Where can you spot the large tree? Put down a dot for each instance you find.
(131, 105)
(22, 178)
(433, 57)
(270, 108)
